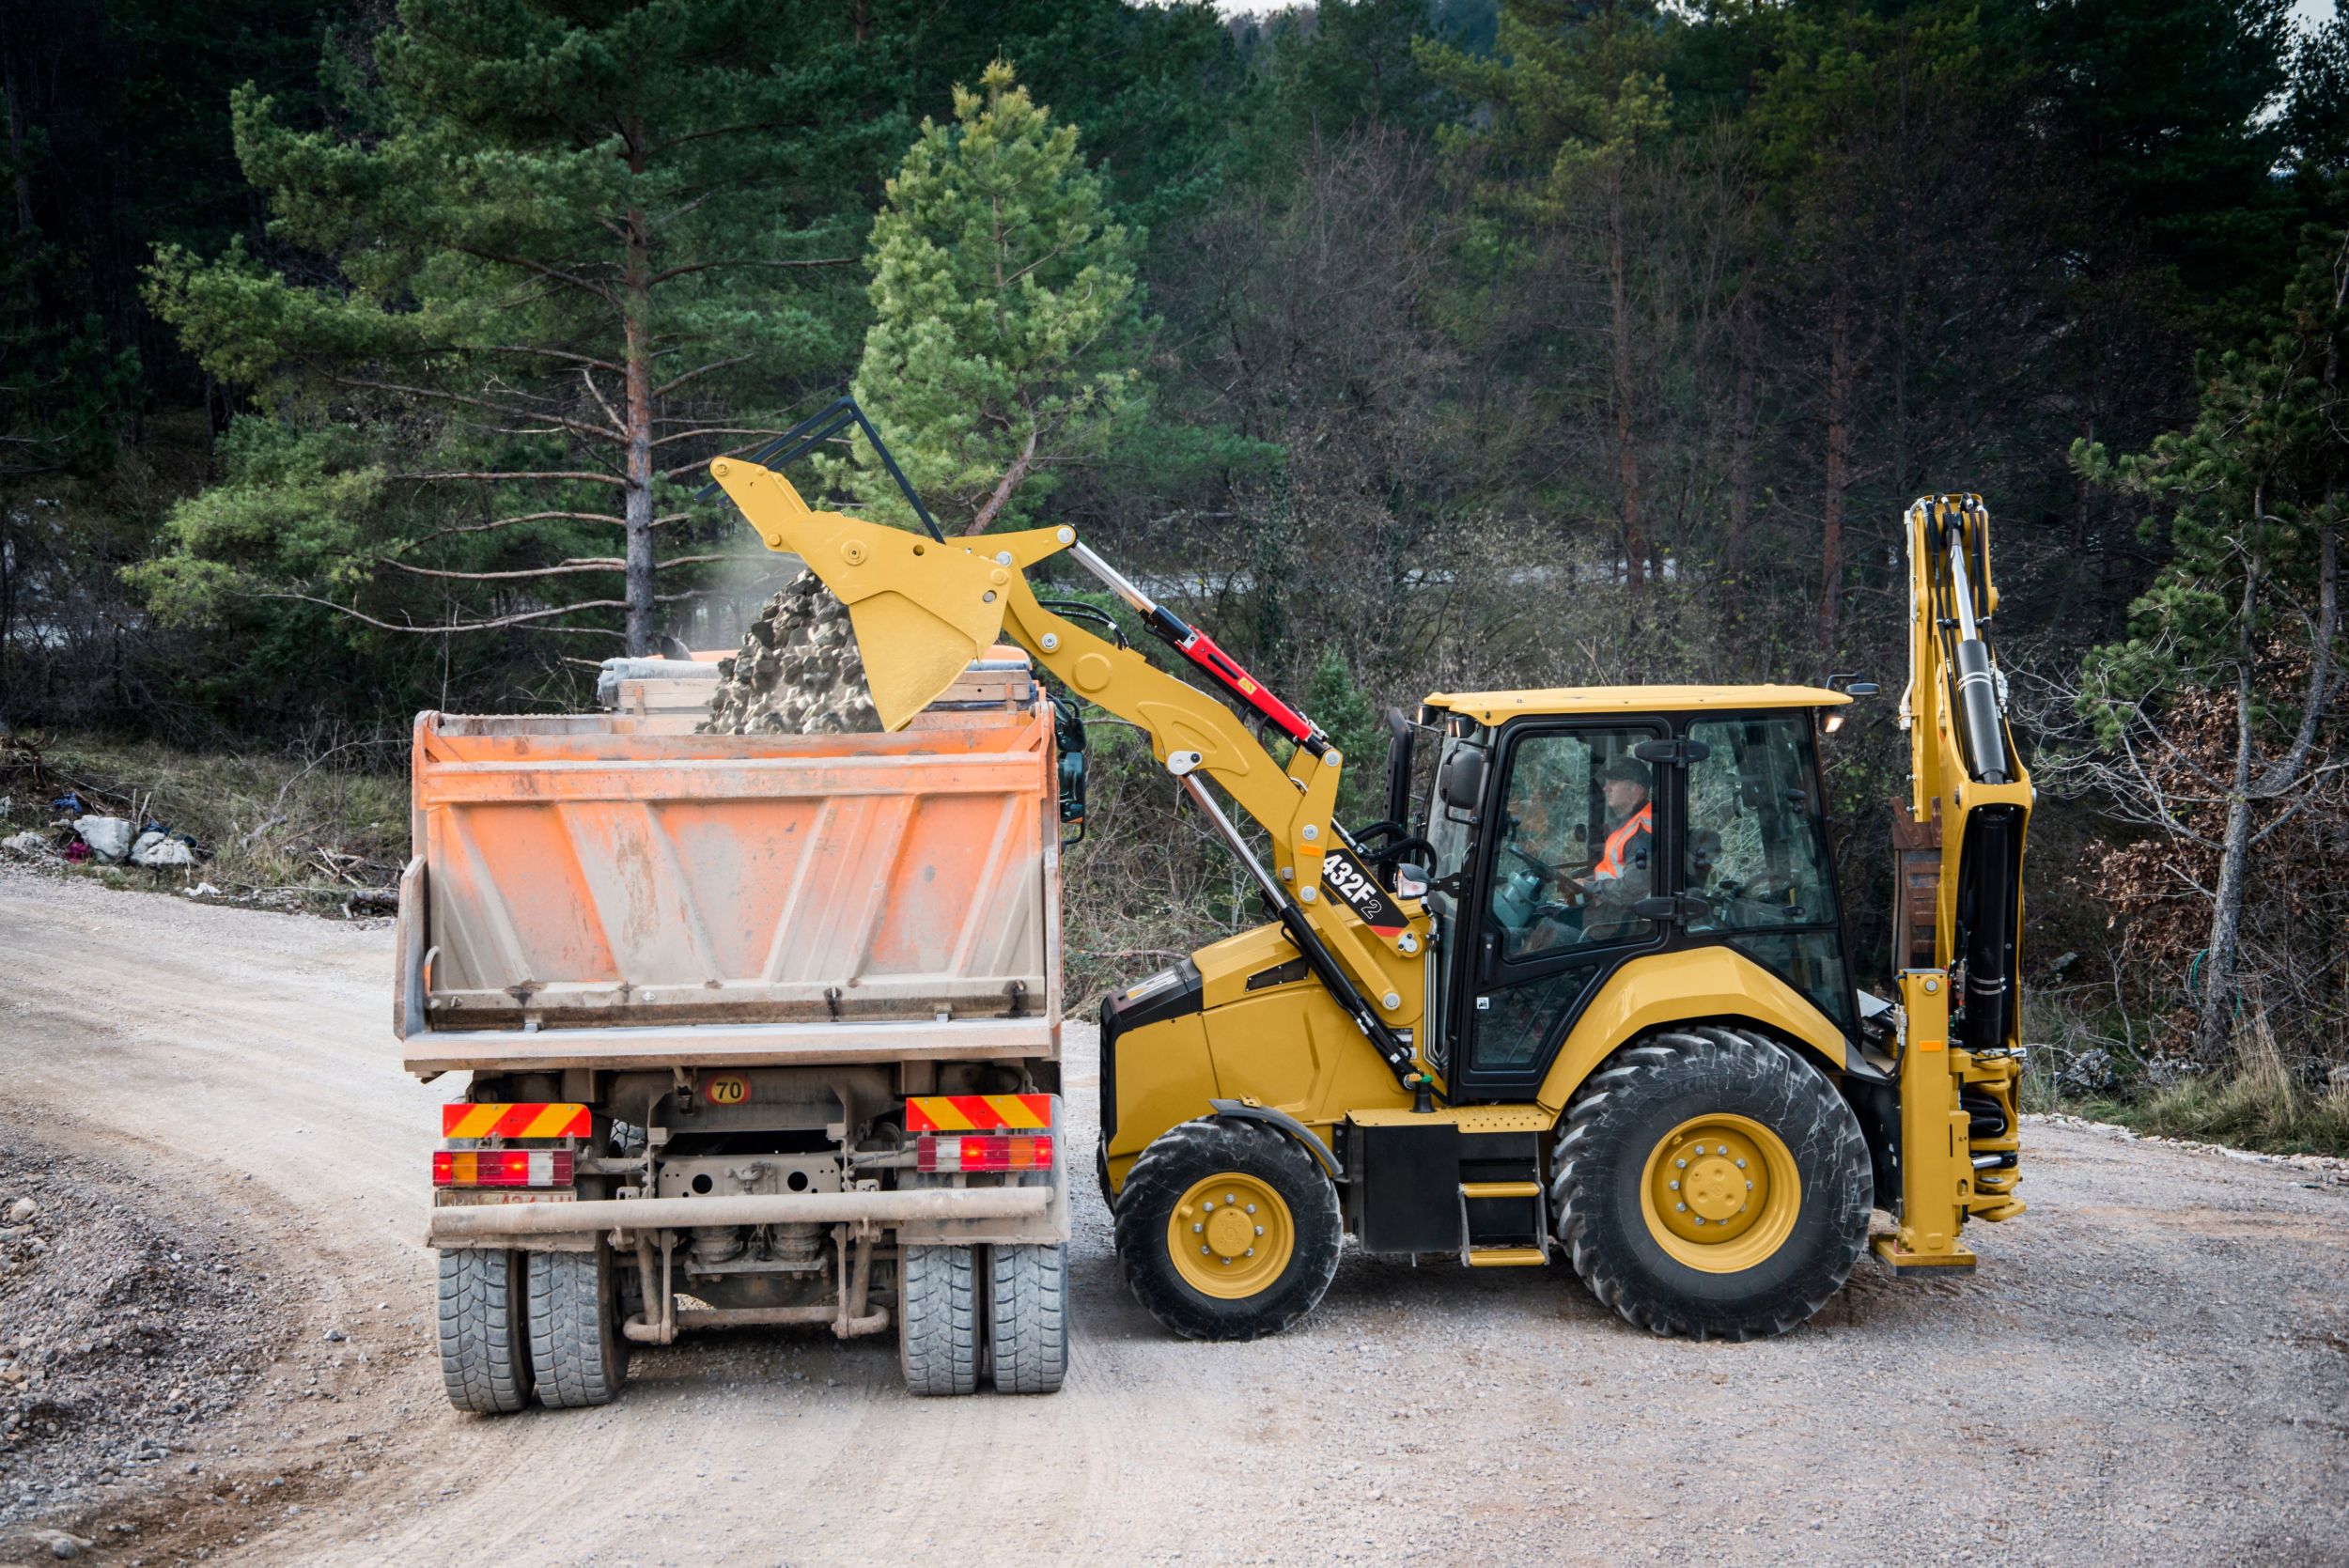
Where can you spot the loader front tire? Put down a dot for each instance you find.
(938, 1321)
(484, 1327)
(1227, 1230)
(1027, 1317)
(576, 1347)
(1712, 1183)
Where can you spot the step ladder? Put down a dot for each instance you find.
(1534, 1256)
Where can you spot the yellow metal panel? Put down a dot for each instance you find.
(1468, 1118)
(1164, 1076)
(1491, 707)
(1669, 988)
(1936, 1172)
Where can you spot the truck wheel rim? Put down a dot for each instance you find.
(1721, 1192)
(1230, 1236)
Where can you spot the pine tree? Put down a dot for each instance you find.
(2248, 606)
(560, 257)
(1007, 332)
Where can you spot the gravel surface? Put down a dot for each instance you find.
(2152, 1365)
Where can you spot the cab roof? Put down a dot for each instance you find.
(1494, 707)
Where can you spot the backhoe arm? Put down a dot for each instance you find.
(924, 610)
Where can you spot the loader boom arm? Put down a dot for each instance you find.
(924, 609)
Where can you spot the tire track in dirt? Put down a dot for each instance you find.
(2150, 1364)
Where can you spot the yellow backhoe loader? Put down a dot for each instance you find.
(1590, 996)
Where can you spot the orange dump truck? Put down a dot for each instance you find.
(760, 1030)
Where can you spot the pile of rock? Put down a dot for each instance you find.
(799, 672)
(107, 840)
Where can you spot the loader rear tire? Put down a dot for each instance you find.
(938, 1321)
(1712, 1183)
(1261, 1214)
(576, 1347)
(1027, 1318)
(484, 1324)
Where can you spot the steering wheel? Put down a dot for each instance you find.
(1549, 872)
(1767, 886)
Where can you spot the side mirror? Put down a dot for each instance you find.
(1463, 783)
(1399, 739)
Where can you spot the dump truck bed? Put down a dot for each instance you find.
(597, 891)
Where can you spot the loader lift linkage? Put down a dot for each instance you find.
(1229, 1096)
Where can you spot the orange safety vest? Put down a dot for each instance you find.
(1641, 821)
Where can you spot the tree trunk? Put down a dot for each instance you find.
(1627, 448)
(637, 507)
(1839, 390)
(22, 176)
(1744, 415)
(2234, 853)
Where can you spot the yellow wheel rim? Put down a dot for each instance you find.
(1721, 1192)
(1230, 1236)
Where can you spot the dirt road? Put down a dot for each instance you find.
(2153, 1365)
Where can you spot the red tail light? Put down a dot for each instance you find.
(948, 1153)
(502, 1168)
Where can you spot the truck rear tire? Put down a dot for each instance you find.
(484, 1324)
(938, 1321)
(1712, 1183)
(576, 1347)
(1227, 1230)
(1027, 1318)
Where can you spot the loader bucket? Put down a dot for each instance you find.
(923, 609)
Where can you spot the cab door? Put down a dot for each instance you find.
(1563, 851)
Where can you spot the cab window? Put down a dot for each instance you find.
(1577, 843)
(1755, 853)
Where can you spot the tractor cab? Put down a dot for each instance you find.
(1574, 832)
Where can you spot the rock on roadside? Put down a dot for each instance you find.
(157, 848)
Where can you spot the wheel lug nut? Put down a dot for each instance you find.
(1203, 1252)
(1741, 1165)
(1197, 1229)
(1673, 1186)
(1252, 1208)
(1680, 1209)
(1260, 1230)
(1250, 1254)
(1680, 1165)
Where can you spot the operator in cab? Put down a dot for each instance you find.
(1592, 903)
(1621, 878)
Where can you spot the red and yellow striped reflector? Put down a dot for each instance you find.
(949, 1153)
(978, 1113)
(467, 1119)
(502, 1168)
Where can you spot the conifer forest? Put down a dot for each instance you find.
(359, 357)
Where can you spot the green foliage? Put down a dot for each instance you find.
(549, 261)
(1008, 327)
(1353, 722)
(1576, 95)
(2242, 495)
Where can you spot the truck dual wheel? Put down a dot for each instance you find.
(938, 1321)
(484, 1331)
(1027, 1317)
(1227, 1230)
(1712, 1183)
(576, 1348)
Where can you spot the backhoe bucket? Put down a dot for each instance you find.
(922, 610)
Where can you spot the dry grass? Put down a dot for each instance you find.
(2260, 1101)
(304, 827)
